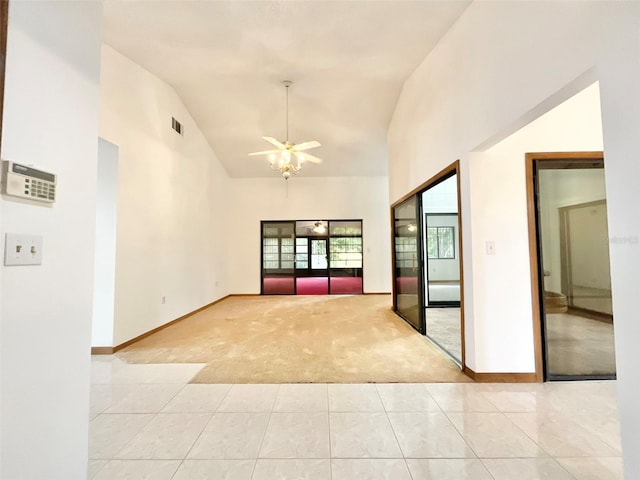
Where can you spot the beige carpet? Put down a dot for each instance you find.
(298, 339)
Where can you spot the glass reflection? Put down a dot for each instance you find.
(407, 262)
(576, 281)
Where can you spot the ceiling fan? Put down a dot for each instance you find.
(288, 157)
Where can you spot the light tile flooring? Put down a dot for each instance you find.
(149, 423)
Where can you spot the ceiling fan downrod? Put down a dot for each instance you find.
(287, 84)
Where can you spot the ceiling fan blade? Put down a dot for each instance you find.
(306, 145)
(307, 157)
(265, 152)
(275, 142)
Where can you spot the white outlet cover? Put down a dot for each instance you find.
(22, 249)
(490, 247)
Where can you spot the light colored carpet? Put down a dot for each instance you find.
(298, 339)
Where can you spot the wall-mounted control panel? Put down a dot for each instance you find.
(27, 182)
(22, 249)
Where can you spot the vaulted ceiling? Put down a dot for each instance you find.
(227, 60)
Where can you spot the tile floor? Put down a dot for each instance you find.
(149, 423)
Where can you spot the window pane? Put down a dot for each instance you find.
(319, 254)
(346, 252)
(286, 253)
(345, 228)
(311, 228)
(432, 242)
(275, 229)
(302, 253)
(270, 253)
(445, 242)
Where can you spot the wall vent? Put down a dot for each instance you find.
(176, 125)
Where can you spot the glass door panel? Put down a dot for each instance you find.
(407, 263)
(443, 319)
(345, 257)
(312, 273)
(278, 258)
(575, 282)
(319, 254)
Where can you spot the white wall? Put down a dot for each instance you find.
(619, 73)
(502, 282)
(50, 121)
(172, 202)
(104, 282)
(491, 74)
(309, 198)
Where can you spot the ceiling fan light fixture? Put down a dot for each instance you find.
(319, 227)
(281, 158)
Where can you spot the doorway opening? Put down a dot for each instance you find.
(427, 260)
(311, 257)
(570, 265)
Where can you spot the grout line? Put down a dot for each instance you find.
(177, 469)
(329, 422)
(395, 435)
(211, 415)
(264, 435)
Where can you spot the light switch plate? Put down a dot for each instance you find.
(22, 249)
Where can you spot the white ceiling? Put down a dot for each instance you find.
(226, 59)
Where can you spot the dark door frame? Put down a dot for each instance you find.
(537, 291)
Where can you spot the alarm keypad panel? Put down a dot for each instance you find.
(28, 182)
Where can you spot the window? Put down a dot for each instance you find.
(345, 229)
(277, 246)
(441, 242)
(277, 253)
(302, 253)
(286, 253)
(346, 252)
(319, 254)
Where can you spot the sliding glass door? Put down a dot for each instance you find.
(345, 256)
(278, 252)
(408, 263)
(428, 262)
(441, 233)
(573, 268)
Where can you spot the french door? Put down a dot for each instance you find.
(312, 257)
